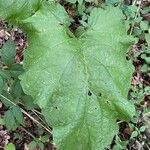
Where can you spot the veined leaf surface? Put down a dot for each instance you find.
(80, 84)
(15, 10)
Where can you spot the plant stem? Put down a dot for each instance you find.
(136, 15)
(28, 133)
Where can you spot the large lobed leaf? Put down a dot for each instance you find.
(80, 84)
(15, 10)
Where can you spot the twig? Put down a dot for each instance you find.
(36, 121)
(24, 112)
(2, 147)
(36, 113)
(120, 122)
(147, 147)
(38, 116)
(28, 132)
(134, 2)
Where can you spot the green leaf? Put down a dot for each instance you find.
(81, 8)
(134, 134)
(147, 36)
(143, 128)
(8, 53)
(18, 114)
(44, 138)
(10, 146)
(144, 68)
(9, 120)
(2, 121)
(5, 74)
(147, 90)
(41, 145)
(113, 1)
(16, 89)
(80, 2)
(80, 84)
(14, 10)
(28, 102)
(117, 147)
(146, 58)
(1, 83)
(32, 145)
(15, 70)
(144, 25)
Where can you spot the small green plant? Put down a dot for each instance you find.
(10, 146)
